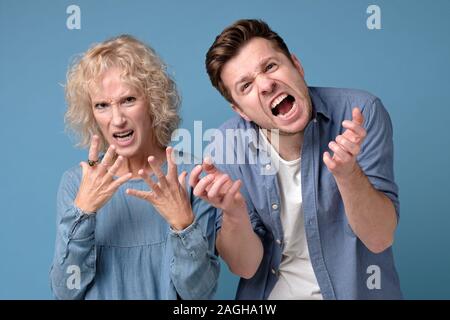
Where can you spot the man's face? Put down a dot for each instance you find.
(122, 115)
(267, 88)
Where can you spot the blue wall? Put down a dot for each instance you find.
(406, 63)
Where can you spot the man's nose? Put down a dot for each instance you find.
(118, 118)
(266, 85)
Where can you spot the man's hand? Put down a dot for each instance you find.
(217, 188)
(236, 241)
(370, 213)
(346, 147)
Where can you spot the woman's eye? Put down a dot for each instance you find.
(100, 105)
(130, 100)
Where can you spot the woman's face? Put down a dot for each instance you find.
(122, 115)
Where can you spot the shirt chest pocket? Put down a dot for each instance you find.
(135, 223)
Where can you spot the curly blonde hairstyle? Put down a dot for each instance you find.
(141, 68)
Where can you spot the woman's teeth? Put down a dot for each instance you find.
(123, 136)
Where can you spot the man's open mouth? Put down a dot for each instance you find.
(282, 105)
(124, 135)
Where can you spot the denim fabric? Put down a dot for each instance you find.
(341, 262)
(128, 251)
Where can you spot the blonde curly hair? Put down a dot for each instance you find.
(141, 68)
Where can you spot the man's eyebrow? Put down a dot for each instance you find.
(261, 65)
(243, 78)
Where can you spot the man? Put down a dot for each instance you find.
(322, 226)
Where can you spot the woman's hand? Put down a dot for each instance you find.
(98, 184)
(168, 195)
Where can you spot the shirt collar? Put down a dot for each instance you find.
(318, 104)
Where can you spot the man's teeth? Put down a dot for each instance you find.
(278, 100)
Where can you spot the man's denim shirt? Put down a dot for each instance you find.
(344, 267)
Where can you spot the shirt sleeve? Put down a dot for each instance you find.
(73, 267)
(377, 152)
(195, 266)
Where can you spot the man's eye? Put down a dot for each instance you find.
(270, 66)
(245, 86)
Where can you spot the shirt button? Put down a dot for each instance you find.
(268, 167)
(274, 206)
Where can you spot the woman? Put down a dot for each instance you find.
(122, 234)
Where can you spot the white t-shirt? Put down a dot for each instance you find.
(296, 280)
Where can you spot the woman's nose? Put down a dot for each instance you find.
(118, 118)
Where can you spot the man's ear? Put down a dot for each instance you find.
(240, 112)
(297, 65)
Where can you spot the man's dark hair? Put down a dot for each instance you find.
(230, 41)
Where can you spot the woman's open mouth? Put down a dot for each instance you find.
(124, 137)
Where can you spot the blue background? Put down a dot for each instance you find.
(406, 63)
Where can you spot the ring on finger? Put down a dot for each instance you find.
(92, 162)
